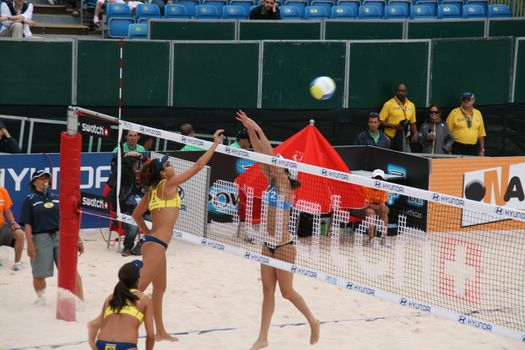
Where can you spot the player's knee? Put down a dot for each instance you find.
(268, 290)
(287, 293)
(19, 235)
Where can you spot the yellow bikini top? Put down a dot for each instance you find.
(127, 310)
(155, 202)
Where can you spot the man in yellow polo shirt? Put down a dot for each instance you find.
(398, 116)
(467, 127)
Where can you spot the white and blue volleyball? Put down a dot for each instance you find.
(322, 88)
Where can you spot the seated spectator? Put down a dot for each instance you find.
(267, 10)
(375, 207)
(16, 17)
(101, 4)
(435, 137)
(242, 140)
(131, 143)
(130, 195)
(11, 233)
(373, 136)
(7, 143)
(147, 142)
(186, 129)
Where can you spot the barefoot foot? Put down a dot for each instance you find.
(315, 329)
(165, 336)
(259, 344)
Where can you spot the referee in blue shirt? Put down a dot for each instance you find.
(40, 217)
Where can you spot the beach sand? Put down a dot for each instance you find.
(216, 298)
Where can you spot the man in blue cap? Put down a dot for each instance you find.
(467, 127)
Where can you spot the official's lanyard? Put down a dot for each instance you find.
(467, 119)
(401, 106)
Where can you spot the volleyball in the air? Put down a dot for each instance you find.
(322, 88)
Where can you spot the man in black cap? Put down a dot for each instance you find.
(242, 141)
(7, 143)
(467, 127)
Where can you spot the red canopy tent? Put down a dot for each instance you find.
(307, 146)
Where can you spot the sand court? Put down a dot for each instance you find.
(213, 301)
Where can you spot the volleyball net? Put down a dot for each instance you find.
(462, 260)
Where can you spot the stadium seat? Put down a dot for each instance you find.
(147, 11)
(454, 3)
(234, 12)
(206, 12)
(344, 12)
(499, 10)
(189, 5)
(396, 12)
(119, 18)
(175, 11)
(350, 3)
(380, 4)
(246, 4)
(300, 4)
(447, 11)
(422, 12)
(290, 13)
(327, 4)
(433, 4)
(219, 4)
(473, 11)
(482, 3)
(138, 31)
(315, 12)
(407, 4)
(370, 12)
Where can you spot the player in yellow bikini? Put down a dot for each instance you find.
(122, 314)
(163, 202)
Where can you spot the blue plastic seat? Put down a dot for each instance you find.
(370, 12)
(290, 13)
(207, 12)
(499, 10)
(422, 12)
(327, 4)
(447, 11)
(407, 4)
(396, 12)
(433, 4)
(119, 18)
(234, 12)
(189, 5)
(246, 4)
(350, 3)
(175, 11)
(344, 12)
(138, 31)
(315, 12)
(454, 3)
(473, 11)
(147, 11)
(219, 4)
(482, 3)
(300, 4)
(380, 4)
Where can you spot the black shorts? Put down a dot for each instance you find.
(7, 236)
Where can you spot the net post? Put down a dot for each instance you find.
(70, 155)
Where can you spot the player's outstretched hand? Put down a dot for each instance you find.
(218, 136)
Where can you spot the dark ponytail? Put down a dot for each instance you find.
(128, 276)
(295, 184)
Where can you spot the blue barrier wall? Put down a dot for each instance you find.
(16, 170)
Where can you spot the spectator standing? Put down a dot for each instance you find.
(11, 233)
(373, 136)
(186, 129)
(131, 143)
(267, 10)
(7, 143)
(40, 217)
(398, 117)
(467, 127)
(435, 137)
(16, 17)
(242, 140)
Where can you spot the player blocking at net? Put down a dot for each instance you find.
(163, 202)
(280, 189)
